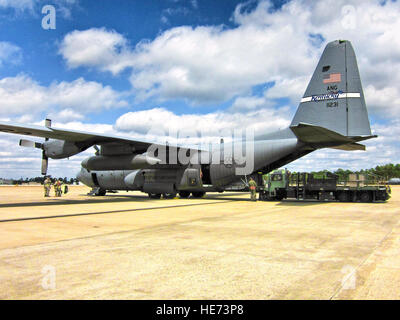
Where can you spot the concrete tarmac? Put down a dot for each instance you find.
(127, 246)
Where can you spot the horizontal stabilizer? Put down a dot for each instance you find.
(350, 147)
(319, 137)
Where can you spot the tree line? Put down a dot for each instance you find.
(38, 180)
(386, 172)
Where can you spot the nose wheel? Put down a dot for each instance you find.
(97, 192)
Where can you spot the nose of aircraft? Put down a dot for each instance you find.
(85, 177)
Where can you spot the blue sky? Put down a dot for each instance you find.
(123, 67)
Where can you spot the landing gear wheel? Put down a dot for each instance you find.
(198, 194)
(154, 195)
(184, 194)
(169, 195)
(100, 193)
(365, 197)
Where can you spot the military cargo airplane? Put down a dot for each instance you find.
(331, 114)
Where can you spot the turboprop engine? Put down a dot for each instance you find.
(60, 149)
(55, 149)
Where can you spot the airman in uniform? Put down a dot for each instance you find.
(57, 188)
(47, 187)
(253, 189)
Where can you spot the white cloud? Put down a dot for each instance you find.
(213, 63)
(9, 53)
(384, 101)
(66, 115)
(17, 4)
(99, 48)
(293, 88)
(151, 125)
(203, 64)
(22, 95)
(248, 103)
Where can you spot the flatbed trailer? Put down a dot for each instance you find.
(281, 184)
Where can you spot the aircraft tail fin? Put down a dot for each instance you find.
(334, 98)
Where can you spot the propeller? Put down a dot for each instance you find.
(37, 145)
(97, 150)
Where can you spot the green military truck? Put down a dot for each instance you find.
(325, 186)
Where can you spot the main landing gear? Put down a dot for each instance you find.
(182, 195)
(164, 195)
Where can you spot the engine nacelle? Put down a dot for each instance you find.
(60, 149)
(120, 162)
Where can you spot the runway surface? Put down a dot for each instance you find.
(127, 246)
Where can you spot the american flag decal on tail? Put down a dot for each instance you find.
(331, 78)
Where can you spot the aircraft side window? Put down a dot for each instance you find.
(325, 68)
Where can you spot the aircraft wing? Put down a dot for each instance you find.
(83, 139)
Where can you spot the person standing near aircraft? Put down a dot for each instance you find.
(47, 187)
(57, 188)
(253, 189)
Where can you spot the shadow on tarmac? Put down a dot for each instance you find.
(112, 198)
(118, 198)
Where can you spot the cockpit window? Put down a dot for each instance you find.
(277, 177)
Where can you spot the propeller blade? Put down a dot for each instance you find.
(47, 123)
(26, 143)
(30, 144)
(45, 163)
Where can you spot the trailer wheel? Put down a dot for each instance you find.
(365, 197)
(343, 197)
